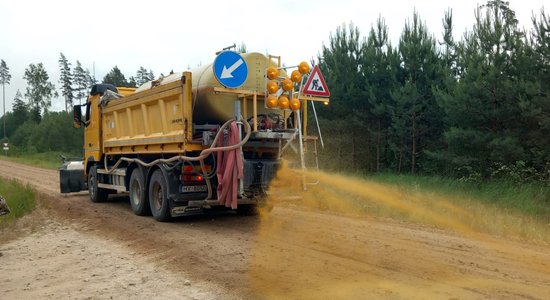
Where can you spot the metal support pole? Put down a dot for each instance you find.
(318, 127)
(304, 105)
(301, 143)
(238, 117)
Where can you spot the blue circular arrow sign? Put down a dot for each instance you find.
(230, 69)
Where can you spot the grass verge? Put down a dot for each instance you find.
(20, 198)
(531, 199)
(500, 207)
(48, 160)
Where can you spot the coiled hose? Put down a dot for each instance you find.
(182, 158)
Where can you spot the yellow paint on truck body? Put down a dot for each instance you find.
(93, 149)
(154, 121)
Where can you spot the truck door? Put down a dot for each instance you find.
(92, 144)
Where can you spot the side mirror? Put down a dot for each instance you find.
(77, 116)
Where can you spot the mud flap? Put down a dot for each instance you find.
(71, 177)
(259, 173)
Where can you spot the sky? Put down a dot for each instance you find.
(166, 35)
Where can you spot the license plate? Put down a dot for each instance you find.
(194, 188)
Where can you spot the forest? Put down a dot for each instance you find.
(32, 128)
(475, 108)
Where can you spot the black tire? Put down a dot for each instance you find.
(96, 194)
(138, 196)
(158, 197)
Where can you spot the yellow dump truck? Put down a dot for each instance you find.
(187, 142)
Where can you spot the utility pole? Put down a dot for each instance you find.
(4, 116)
(4, 78)
(4, 106)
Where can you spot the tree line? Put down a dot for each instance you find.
(31, 126)
(76, 83)
(476, 108)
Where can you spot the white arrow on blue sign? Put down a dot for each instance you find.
(230, 69)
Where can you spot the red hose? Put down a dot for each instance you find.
(230, 169)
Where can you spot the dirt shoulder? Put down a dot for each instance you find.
(58, 261)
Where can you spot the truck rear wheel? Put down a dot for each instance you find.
(138, 197)
(158, 197)
(96, 194)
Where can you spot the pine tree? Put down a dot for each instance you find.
(143, 76)
(81, 82)
(418, 111)
(116, 78)
(66, 81)
(20, 110)
(450, 71)
(379, 66)
(39, 90)
(132, 82)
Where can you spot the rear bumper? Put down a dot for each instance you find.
(191, 207)
(209, 203)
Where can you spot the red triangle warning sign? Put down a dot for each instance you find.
(316, 85)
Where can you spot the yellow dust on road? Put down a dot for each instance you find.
(332, 244)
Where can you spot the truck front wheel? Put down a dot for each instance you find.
(96, 194)
(158, 197)
(138, 198)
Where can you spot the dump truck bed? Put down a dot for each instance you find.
(153, 121)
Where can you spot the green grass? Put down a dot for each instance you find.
(20, 199)
(499, 207)
(526, 198)
(48, 160)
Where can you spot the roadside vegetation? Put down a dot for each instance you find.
(41, 143)
(20, 199)
(47, 160)
(502, 207)
(530, 198)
